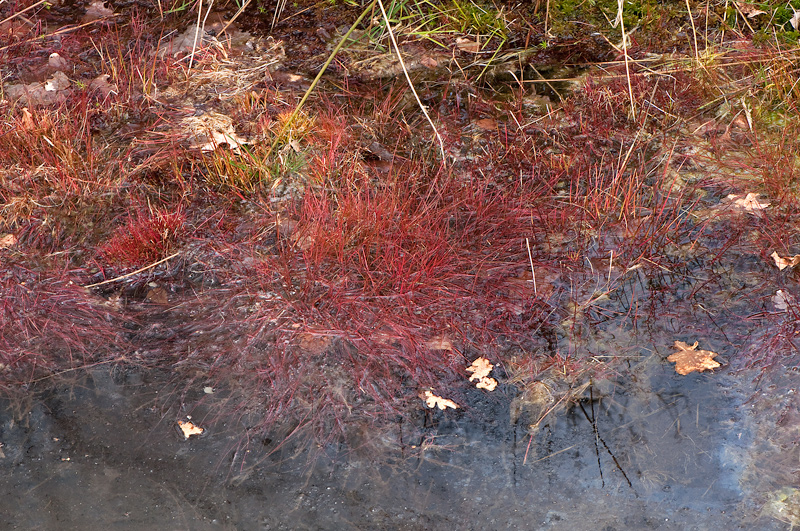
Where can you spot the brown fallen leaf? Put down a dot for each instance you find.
(157, 295)
(429, 62)
(188, 429)
(101, 85)
(314, 344)
(687, 359)
(784, 262)
(749, 10)
(431, 400)
(486, 124)
(27, 120)
(96, 11)
(7, 240)
(468, 45)
(749, 202)
(57, 62)
(212, 130)
(439, 343)
(480, 370)
(490, 384)
(54, 90)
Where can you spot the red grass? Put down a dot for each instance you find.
(399, 277)
(49, 322)
(145, 238)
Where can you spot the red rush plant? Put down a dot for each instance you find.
(145, 238)
(48, 322)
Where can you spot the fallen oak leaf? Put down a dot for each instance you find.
(97, 10)
(486, 124)
(783, 263)
(188, 429)
(749, 202)
(7, 240)
(439, 343)
(480, 370)
(429, 62)
(468, 45)
(432, 400)
(687, 359)
(487, 383)
(749, 10)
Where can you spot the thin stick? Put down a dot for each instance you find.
(694, 32)
(234, 17)
(533, 272)
(40, 2)
(408, 78)
(60, 31)
(625, 52)
(145, 268)
(554, 454)
(200, 29)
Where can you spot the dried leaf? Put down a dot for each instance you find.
(468, 45)
(57, 83)
(480, 370)
(157, 295)
(188, 429)
(7, 240)
(429, 62)
(96, 11)
(487, 383)
(783, 263)
(54, 90)
(190, 40)
(439, 343)
(782, 300)
(27, 119)
(795, 20)
(212, 130)
(314, 344)
(486, 124)
(749, 10)
(57, 62)
(749, 202)
(431, 400)
(101, 84)
(687, 359)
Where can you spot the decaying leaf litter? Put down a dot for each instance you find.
(354, 228)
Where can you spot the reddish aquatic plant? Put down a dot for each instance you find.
(49, 322)
(146, 237)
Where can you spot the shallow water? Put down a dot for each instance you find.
(643, 449)
(668, 453)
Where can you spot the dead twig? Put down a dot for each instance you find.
(145, 268)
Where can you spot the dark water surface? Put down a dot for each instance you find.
(668, 453)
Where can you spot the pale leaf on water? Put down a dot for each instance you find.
(784, 262)
(480, 370)
(432, 400)
(688, 359)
